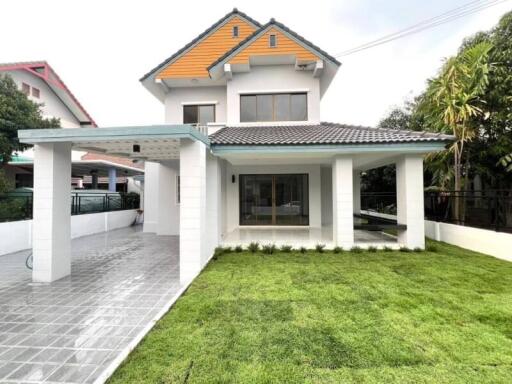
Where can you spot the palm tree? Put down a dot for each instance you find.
(453, 100)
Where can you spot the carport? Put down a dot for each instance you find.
(181, 149)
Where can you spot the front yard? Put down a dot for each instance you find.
(443, 316)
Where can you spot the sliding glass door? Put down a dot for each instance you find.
(274, 199)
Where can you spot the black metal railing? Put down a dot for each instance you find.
(18, 206)
(482, 209)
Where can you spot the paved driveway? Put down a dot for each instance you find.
(75, 329)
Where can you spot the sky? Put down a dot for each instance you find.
(100, 48)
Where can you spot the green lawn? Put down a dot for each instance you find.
(443, 316)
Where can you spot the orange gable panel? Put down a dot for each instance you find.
(194, 63)
(285, 46)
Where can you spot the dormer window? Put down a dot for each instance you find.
(235, 31)
(272, 41)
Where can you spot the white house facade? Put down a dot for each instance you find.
(244, 155)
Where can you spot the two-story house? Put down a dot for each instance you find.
(244, 155)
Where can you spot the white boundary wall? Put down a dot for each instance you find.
(17, 235)
(497, 244)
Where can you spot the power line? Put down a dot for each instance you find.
(456, 13)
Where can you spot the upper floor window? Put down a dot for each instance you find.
(25, 88)
(235, 31)
(274, 107)
(35, 92)
(198, 114)
(272, 41)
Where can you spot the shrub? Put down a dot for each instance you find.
(222, 250)
(303, 249)
(387, 249)
(372, 249)
(320, 248)
(239, 249)
(356, 249)
(431, 248)
(418, 249)
(404, 249)
(268, 249)
(286, 248)
(337, 250)
(253, 247)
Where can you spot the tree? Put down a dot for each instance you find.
(453, 100)
(17, 112)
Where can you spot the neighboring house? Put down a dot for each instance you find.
(41, 84)
(244, 155)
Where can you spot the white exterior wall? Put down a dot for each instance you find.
(167, 210)
(193, 95)
(343, 201)
(213, 205)
(273, 79)
(81, 225)
(151, 174)
(233, 198)
(53, 106)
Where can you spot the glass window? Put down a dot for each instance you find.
(35, 92)
(274, 107)
(198, 114)
(235, 31)
(272, 41)
(248, 108)
(25, 88)
(298, 107)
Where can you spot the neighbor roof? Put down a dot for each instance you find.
(234, 12)
(283, 27)
(44, 71)
(323, 133)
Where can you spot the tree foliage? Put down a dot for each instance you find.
(17, 112)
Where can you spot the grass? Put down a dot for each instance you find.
(370, 317)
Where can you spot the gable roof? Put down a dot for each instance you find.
(262, 30)
(44, 71)
(234, 12)
(323, 133)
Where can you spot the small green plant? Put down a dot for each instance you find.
(268, 249)
(253, 247)
(356, 249)
(431, 248)
(222, 250)
(303, 249)
(320, 248)
(372, 249)
(418, 249)
(387, 249)
(405, 249)
(286, 248)
(337, 250)
(239, 249)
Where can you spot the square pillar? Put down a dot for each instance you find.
(112, 179)
(193, 247)
(357, 192)
(410, 204)
(151, 178)
(168, 208)
(51, 226)
(213, 204)
(343, 202)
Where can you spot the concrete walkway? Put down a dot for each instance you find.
(75, 329)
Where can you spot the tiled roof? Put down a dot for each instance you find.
(199, 38)
(285, 29)
(323, 133)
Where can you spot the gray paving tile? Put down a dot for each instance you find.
(32, 372)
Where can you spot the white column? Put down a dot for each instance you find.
(410, 204)
(213, 205)
(357, 192)
(343, 201)
(192, 208)
(151, 178)
(168, 209)
(51, 227)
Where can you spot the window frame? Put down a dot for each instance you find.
(235, 32)
(36, 92)
(25, 89)
(289, 94)
(198, 107)
(274, 37)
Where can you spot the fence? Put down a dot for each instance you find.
(18, 205)
(480, 209)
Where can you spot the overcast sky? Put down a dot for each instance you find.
(100, 48)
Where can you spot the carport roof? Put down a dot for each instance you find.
(156, 142)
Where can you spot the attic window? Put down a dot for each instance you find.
(25, 88)
(235, 31)
(272, 41)
(36, 93)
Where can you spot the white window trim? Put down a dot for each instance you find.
(274, 91)
(200, 102)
